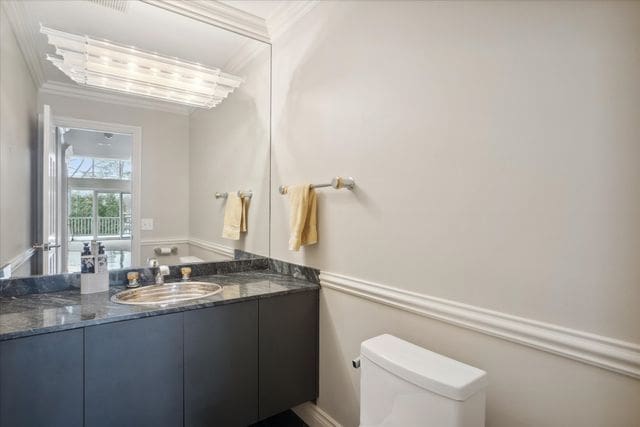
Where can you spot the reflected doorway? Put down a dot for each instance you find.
(97, 188)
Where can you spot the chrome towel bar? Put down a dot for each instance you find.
(338, 182)
(247, 194)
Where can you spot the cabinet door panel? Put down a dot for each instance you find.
(41, 380)
(288, 329)
(133, 373)
(221, 365)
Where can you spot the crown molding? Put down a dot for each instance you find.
(286, 15)
(239, 21)
(243, 56)
(605, 352)
(218, 14)
(76, 91)
(26, 38)
(277, 24)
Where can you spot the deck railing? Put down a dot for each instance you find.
(107, 226)
(81, 226)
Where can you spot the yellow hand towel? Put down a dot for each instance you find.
(304, 214)
(243, 221)
(235, 213)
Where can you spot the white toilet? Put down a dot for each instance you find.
(403, 385)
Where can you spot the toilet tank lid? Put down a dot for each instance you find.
(424, 368)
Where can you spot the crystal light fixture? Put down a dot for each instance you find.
(112, 66)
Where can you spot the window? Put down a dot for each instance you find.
(80, 214)
(91, 167)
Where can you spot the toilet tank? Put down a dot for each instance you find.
(404, 385)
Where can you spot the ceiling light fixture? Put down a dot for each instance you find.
(112, 66)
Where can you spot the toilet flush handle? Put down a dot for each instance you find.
(356, 363)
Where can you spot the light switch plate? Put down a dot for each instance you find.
(146, 224)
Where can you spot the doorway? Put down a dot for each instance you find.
(103, 216)
(98, 190)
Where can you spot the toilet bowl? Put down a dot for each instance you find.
(403, 385)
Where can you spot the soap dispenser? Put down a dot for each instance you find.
(86, 260)
(94, 273)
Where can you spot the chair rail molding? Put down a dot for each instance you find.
(212, 246)
(16, 262)
(608, 353)
(155, 242)
(203, 244)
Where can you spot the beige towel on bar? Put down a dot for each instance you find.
(304, 213)
(235, 217)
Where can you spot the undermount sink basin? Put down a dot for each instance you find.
(168, 293)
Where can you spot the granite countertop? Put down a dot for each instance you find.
(56, 311)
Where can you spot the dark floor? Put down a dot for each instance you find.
(285, 419)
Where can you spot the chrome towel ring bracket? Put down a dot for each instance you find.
(338, 183)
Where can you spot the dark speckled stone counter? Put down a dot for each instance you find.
(33, 314)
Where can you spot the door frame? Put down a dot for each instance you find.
(136, 168)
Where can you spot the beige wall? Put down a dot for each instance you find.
(229, 151)
(165, 159)
(495, 148)
(18, 139)
(526, 387)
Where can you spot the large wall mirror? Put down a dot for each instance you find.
(133, 126)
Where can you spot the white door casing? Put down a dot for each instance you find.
(50, 217)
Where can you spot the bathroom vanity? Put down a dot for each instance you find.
(170, 121)
(228, 360)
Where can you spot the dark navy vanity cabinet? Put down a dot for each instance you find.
(288, 351)
(133, 373)
(227, 365)
(221, 365)
(41, 380)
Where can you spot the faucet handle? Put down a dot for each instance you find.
(134, 279)
(152, 262)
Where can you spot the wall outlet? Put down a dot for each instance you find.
(146, 224)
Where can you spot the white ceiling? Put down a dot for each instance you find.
(89, 143)
(142, 25)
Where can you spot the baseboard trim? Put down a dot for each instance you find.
(313, 416)
(608, 353)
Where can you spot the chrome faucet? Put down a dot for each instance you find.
(162, 271)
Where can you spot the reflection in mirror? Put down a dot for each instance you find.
(120, 125)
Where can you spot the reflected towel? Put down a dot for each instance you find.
(304, 213)
(235, 217)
